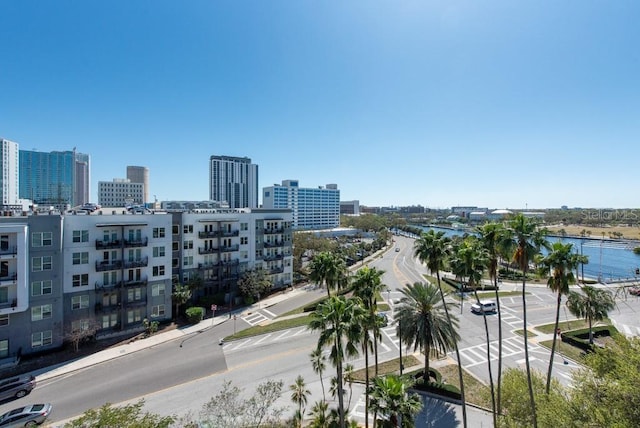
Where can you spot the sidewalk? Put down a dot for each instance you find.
(140, 344)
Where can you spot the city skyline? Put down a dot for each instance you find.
(528, 105)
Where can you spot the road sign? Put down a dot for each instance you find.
(214, 307)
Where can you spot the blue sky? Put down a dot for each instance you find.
(505, 104)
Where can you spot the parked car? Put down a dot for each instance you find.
(397, 249)
(486, 306)
(16, 387)
(384, 320)
(635, 291)
(27, 416)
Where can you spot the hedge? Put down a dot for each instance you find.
(195, 314)
(580, 338)
(437, 387)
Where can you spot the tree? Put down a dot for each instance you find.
(339, 321)
(366, 285)
(423, 323)
(228, 409)
(560, 261)
(317, 362)
(299, 394)
(432, 249)
(85, 332)
(349, 378)
(527, 242)
(327, 269)
(180, 295)
(593, 304)
(390, 398)
(128, 416)
(491, 234)
(254, 283)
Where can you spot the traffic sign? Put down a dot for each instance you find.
(214, 307)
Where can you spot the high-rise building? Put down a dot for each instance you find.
(120, 192)
(140, 174)
(54, 178)
(313, 208)
(234, 180)
(9, 177)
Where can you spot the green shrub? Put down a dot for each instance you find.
(195, 314)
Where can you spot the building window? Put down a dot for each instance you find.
(42, 338)
(40, 312)
(80, 325)
(157, 311)
(158, 271)
(80, 236)
(109, 320)
(41, 239)
(158, 251)
(4, 348)
(244, 240)
(187, 228)
(4, 320)
(188, 260)
(175, 229)
(244, 226)
(39, 288)
(188, 245)
(134, 294)
(4, 295)
(134, 315)
(158, 232)
(81, 258)
(80, 302)
(80, 280)
(41, 263)
(175, 246)
(157, 290)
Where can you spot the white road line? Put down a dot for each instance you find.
(240, 345)
(282, 335)
(386, 348)
(263, 339)
(270, 313)
(301, 331)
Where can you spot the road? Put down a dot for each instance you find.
(178, 377)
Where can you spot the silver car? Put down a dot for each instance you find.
(16, 387)
(27, 416)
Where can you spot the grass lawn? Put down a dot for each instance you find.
(520, 332)
(271, 327)
(565, 349)
(475, 391)
(391, 366)
(569, 325)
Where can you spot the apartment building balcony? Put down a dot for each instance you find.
(12, 303)
(100, 286)
(130, 264)
(271, 257)
(218, 234)
(273, 230)
(106, 309)
(276, 270)
(273, 244)
(202, 250)
(8, 279)
(229, 262)
(136, 303)
(135, 282)
(8, 253)
(107, 265)
(208, 265)
(105, 245)
(130, 243)
(230, 248)
(230, 276)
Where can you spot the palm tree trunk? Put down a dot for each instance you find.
(460, 379)
(427, 351)
(340, 393)
(366, 381)
(532, 399)
(590, 331)
(553, 344)
(499, 387)
(491, 386)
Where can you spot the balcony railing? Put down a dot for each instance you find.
(208, 265)
(268, 258)
(103, 245)
(130, 264)
(274, 244)
(9, 251)
(273, 230)
(11, 304)
(230, 248)
(110, 286)
(135, 282)
(106, 265)
(136, 303)
(142, 242)
(207, 250)
(276, 270)
(105, 309)
(9, 279)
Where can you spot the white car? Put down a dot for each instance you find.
(486, 306)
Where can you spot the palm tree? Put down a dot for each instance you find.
(527, 240)
(491, 234)
(339, 321)
(367, 284)
(320, 414)
(327, 269)
(349, 378)
(561, 263)
(431, 249)
(473, 258)
(299, 393)
(181, 295)
(317, 362)
(423, 322)
(391, 399)
(593, 305)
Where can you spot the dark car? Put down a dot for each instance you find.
(27, 416)
(16, 387)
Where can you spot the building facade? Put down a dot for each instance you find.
(312, 208)
(120, 192)
(140, 174)
(9, 176)
(58, 179)
(233, 180)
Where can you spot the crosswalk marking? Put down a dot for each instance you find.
(477, 354)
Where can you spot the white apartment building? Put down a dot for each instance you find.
(9, 163)
(120, 192)
(312, 208)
